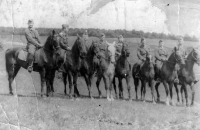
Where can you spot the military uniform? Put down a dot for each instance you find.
(142, 51)
(34, 42)
(161, 55)
(64, 42)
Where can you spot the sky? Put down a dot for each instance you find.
(178, 17)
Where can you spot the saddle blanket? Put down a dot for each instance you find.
(23, 55)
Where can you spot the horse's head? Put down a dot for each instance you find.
(178, 58)
(79, 47)
(54, 40)
(196, 55)
(149, 59)
(125, 50)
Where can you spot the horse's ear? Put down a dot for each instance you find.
(53, 32)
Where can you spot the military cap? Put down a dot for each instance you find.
(65, 26)
(160, 40)
(142, 39)
(86, 32)
(30, 21)
(102, 34)
(120, 36)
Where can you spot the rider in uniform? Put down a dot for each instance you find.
(142, 51)
(119, 46)
(64, 34)
(180, 48)
(161, 55)
(33, 42)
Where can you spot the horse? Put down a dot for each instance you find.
(72, 65)
(147, 74)
(169, 74)
(123, 70)
(17, 57)
(106, 69)
(186, 75)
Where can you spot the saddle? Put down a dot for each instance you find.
(23, 55)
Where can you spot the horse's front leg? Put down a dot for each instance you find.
(128, 78)
(43, 80)
(144, 89)
(88, 82)
(111, 86)
(158, 95)
(120, 88)
(151, 84)
(167, 92)
(177, 92)
(97, 84)
(136, 83)
(64, 78)
(193, 94)
(115, 88)
(106, 82)
(186, 93)
(76, 92)
(171, 92)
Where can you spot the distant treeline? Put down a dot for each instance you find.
(96, 32)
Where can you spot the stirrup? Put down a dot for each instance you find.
(30, 69)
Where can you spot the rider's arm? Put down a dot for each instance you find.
(139, 55)
(38, 37)
(157, 55)
(30, 39)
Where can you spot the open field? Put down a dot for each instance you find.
(29, 111)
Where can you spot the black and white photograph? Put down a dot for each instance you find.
(99, 64)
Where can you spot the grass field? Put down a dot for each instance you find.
(27, 110)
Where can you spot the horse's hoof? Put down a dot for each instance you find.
(144, 101)
(192, 104)
(136, 98)
(109, 99)
(158, 99)
(187, 105)
(154, 102)
(167, 103)
(178, 103)
(130, 100)
(11, 93)
(77, 99)
(91, 98)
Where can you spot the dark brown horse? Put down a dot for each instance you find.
(123, 70)
(106, 70)
(147, 74)
(72, 65)
(14, 60)
(169, 74)
(186, 75)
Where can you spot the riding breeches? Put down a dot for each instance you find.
(31, 48)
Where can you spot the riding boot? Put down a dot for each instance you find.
(30, 62)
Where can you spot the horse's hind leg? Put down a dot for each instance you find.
(158, 95)
(182, 89)
(11, 75)
(177, 92)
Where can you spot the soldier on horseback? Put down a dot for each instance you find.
(34, 43)
(64, 34)
(161, 55)
(119, 45)
(180, 48)
(142, 52)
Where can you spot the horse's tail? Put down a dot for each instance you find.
(10, 60)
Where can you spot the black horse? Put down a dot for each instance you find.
(123, 70)
(72, 64)
(44, 55)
